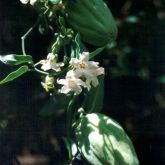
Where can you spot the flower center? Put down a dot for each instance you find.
(82, 65)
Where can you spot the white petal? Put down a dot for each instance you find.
(32, 2)
(93, 64)
(77, 89)
(88, 81)
(56, 68)
(65, 90)
(80, 82)
(46, 66)
(87, 73)
(74, 62)
(99, 71)
(24, 1)
(62, 81)
(84, 56)
(72, 74)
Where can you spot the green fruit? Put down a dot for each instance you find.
(93, 20)
(102, 141)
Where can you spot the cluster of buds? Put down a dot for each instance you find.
(83, 73)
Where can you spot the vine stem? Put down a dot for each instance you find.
(40, 71)
(69, 120)
(29, 31)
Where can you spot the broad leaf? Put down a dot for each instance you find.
(94, 98)
(102, 141)
(15, 74)
(13, 59)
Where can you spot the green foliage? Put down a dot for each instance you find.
(13, 59)
(102, 141)
(75, 47)
(13, 75)
(93, 20)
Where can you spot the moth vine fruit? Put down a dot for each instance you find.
(102, 141)
(93, 20)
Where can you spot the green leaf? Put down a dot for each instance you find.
(96, 52)
(54, 104)
(94, 98)
(102, 141)
(15, 74)
(13, 59)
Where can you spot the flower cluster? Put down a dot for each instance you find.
(83, 69)
(84, 73)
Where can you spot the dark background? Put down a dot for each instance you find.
(134, 84)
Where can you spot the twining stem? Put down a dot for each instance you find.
(69, 119)
(40, 71)
(30, 30)
(27, 33)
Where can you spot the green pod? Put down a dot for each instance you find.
(102, 141)
(93, 20)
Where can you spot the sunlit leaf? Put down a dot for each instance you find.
(13, 59)
(102, 141)
(15, 74)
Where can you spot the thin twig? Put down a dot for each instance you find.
(40, 71)
(29, 31)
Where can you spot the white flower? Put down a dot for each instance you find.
(71, 83)
(51, 63)
(32, 2)
(88, 69)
